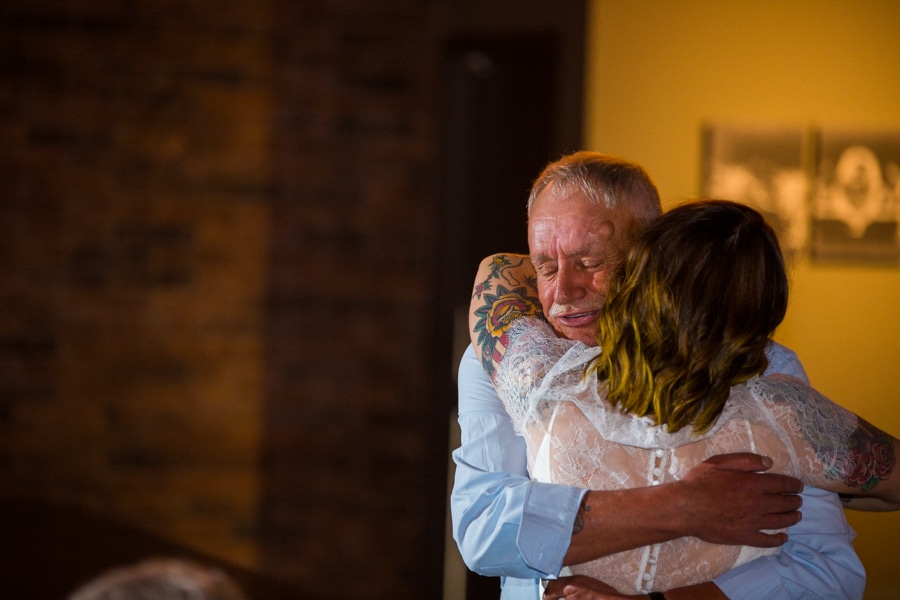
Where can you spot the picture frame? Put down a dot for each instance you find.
(765, 167)
(856, 198)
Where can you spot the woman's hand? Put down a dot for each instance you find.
(580, 587)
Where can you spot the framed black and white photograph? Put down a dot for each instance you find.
(856, 201)
(763, 167)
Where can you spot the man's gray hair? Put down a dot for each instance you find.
(607, 180)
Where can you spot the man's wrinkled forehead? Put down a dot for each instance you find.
(570, 235)
(570, 220)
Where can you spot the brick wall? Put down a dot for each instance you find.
(348, 491)
(216, 225)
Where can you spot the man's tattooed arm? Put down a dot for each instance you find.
(578, 524)
(505, 290)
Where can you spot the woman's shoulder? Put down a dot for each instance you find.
(810, 408)
(766, 399)
(778, 386)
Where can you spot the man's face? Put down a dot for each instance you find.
(575, 246)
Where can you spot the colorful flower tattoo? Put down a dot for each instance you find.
(854, 452)
(871, 458)
(509, 292)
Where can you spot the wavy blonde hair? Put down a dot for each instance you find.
(690, 313)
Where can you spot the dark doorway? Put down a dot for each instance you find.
(499, 125)
(512, 102)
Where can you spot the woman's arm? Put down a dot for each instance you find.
(505, 290)
(868, 503)
(870, 458)
(843, 453)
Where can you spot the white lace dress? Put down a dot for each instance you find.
(575, 437)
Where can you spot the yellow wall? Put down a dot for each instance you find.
(658, 70)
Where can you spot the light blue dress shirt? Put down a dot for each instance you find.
(508, 526)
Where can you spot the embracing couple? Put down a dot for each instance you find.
(628, 427)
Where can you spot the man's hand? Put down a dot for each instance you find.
(728, 500)
(724, 500)
(580, 587)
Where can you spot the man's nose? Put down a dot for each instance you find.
(569, 285)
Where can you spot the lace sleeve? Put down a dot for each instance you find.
(821, 431)
(532, 351)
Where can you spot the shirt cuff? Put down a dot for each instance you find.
(546, 529)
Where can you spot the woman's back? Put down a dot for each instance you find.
(575, 437)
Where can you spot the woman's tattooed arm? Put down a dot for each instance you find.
(848, 455)
(871, 458)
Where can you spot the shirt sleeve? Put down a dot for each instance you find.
(504, 524)
(818, 561)
(784, 360)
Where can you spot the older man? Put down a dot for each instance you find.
(584, 210)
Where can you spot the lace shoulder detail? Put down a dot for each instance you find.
(821, 429)
(533, 354)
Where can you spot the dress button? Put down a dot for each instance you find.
(646, 576)
(657, 472)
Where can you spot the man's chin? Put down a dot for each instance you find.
(584, 334)
(583, 337)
